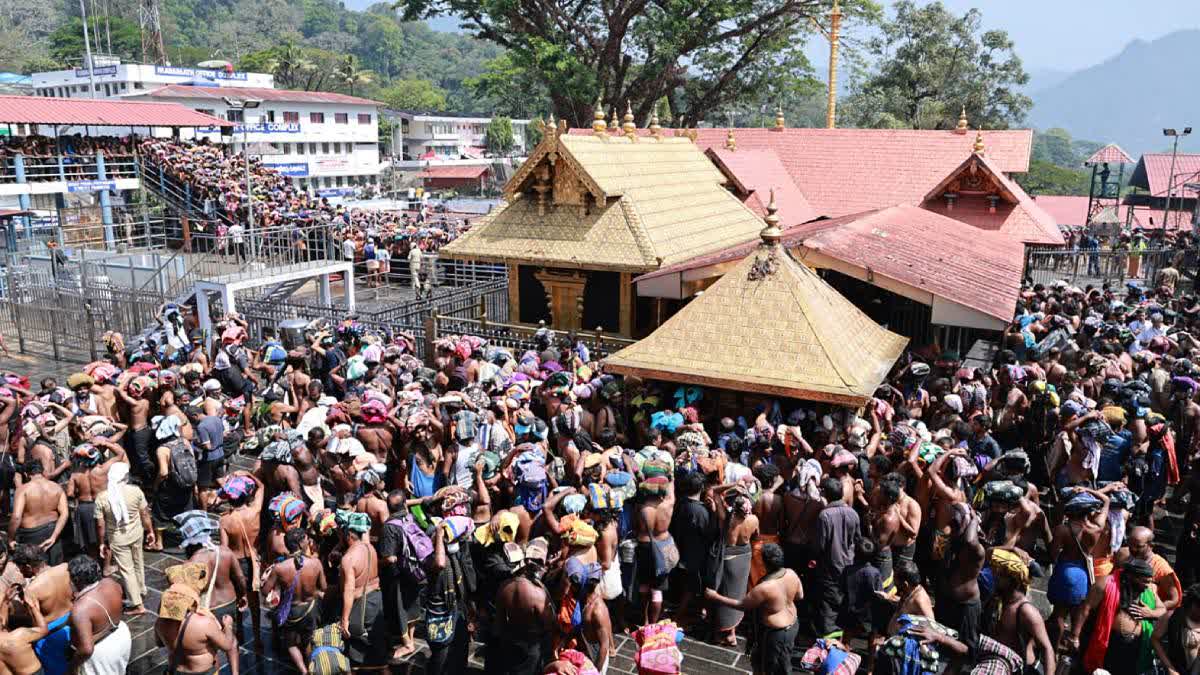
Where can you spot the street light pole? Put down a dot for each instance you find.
(244, 105)
(1171, 176)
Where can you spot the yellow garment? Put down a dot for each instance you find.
(577, 531)
(505, 530)
(1011, 565)
(1114, 414)
(1102, 567)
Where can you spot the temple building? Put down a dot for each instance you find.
(587, 213)
(771, 326)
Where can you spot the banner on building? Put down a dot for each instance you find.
(99, 70)
(257, 128)
(291, 170)
(181, 71)
(91, 185)
(336, 192)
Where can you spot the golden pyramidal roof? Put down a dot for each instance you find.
(610, 203)
(772, 326)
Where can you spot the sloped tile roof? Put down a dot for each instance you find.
(263, 94)
(756, 173)
(769, 325)
(1020, 217)
(88, 112)
(454, 171)
(1109, 154)
(1153, 173)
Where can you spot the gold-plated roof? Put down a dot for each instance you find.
(650, 202)
(770, 325)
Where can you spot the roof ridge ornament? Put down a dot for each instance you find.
(780, 122)
(598, 124)
(771, 234)
(978, 147)
(962, 127)
(655, 128)
(629, 127)
(614, 125)
(730, 141)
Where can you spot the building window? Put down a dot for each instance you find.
(316, 118)
(341, 118)
(206, 111)
(312, 148)
(325, 148)
(299, 148)
(364, 118)
(287, 148)
(270, 115)
(137, 85)
(291, 116)
(235, 115)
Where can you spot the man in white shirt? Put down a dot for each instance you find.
(237, 237)
(414, 268)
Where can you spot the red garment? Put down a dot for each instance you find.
(1097, 648)
(1168, 442)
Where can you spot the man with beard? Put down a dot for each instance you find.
(1015, 621)
(524, 617)
(773, 602)
(1140, 544)
(101, 641)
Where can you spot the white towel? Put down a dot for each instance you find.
(118, 475)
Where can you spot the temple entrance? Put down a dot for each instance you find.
(533, 304)
(601, 302)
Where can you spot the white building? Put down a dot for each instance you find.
(114, 78)
(325, 141)
(425, 139)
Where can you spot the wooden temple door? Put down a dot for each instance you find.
(564, 295)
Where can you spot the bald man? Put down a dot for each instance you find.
(1140, 544)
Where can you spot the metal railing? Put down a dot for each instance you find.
(519, 337)
(1082, 267)
(68, 167)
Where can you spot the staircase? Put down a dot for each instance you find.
(282, 291)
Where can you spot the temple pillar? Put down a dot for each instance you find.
(514, 295)
(627, 305)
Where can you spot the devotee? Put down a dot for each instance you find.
(122, 523)
(100, 640)
(39, 513)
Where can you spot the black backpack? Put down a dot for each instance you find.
(183, 464)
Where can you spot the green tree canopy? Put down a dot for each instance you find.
(66, 43)
(499, 136)
(413, 95)
(701, 55)
(1045, 178)
(930, 63)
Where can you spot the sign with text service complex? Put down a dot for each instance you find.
(258, 128)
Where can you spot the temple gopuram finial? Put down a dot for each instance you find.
(978, 147)
(655, 129)
(730, 141)
(614, 124)
(779, 120)
(962, 122)
(629, 127)
(771, 234)
(598, 125)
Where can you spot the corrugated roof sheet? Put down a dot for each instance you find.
(217, 93)
(769, 325)
(453, 172)
(1109, 154)
(1153, 173)
(943, 256)
(78, 111)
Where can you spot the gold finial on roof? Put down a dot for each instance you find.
(614, 124)
(978, 147)
(629, 126)
(598, 125)
(779, 120)
(655, 129)
(771, 234)
(962, 122)
(730, 141)
(550, 128)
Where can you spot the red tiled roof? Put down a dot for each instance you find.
(1109, 154)
(88, 112)
(473, 171)
(1071, 211)
(925, 250)
(217, 93)
(755, 173)
(1153, 171)
(845, 171)
(1018, 216)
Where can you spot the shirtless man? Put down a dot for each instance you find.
(910, 597)
(959, 604)
(774, 602)
(1140, 544)
(770, 513)
(1017, 623)
(277, 477)
(945, 494)
(1013, 520)
(140, 437)
(306, 591)
(50, 588)
(17, 655)
(524, 616)
(90, 480)
(278, 412)
(101, 641)
(240, 529)
(802, 504)
(230, 588)
(377, 439)
(193, 644)
(652, 525)
(739, 529)
(374, 501)
(895, 525)
(362, 621)
(1086, 521)
(39, 513)
(304, 458)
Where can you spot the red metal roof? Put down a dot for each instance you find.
(100, 113)
(845, 171)
(1018, 216)
(1071, 211)
(473, 171)
(1109, 154)
(1153, 171)
(943, 256)
(755, 173)
(217, 93)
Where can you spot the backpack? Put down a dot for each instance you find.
(530, 468)
(183, 464)
(417, 549)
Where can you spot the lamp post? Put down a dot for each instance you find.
(1171, 176)
(244, 105)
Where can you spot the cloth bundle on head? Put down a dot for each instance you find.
(687, 395)
(582, 664)
(86, 454)
(505, 529)
(666, 420)
(197, 527)
(454, 500)
(455, 527)
(1002, 492)
(288, 508)
(599, 497)
(622, 484)
(328, 652)
(1009, 564)
(953, 402)
(165, 426)
(356, 368)
(1138, 567)
(558, 383)
(372, 476)
(1015, 462)
(326, 523)
(80, 380)
(656, 486)
(576, 531)
(183, 595)
(575, 503)
(1113, 414)
(1082, 503)
(236, 487)
(278, 451)
(374, 412)
(352, 521)
(843, 459)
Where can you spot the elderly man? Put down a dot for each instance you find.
(1140, 544)
(122, 520)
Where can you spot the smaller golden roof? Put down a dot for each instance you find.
(780, 122)
(770, 325)
(978, 147)
(598, 124)
(962, 121)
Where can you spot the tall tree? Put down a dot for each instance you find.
(413, 95)
(499, 136)
(929, 63)
(351, 75)
(66, 43)
(701, 55)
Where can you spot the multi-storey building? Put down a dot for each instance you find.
(424, 139)
(114, 78)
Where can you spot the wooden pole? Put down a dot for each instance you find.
(834, 36)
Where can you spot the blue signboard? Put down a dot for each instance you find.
(336, 192)
(91, 185)
(258, 128)
(182, 71)
(102, 70)
(291, 170)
